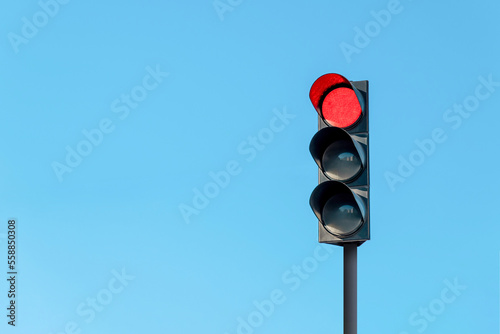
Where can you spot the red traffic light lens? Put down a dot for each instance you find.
(341, 107)
(335, 100)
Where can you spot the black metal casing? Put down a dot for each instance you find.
(360, 186)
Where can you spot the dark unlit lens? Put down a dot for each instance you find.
(341, 161)
(341, 215)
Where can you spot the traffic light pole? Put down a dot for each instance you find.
(350, 288)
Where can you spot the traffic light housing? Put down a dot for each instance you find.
(340, 149)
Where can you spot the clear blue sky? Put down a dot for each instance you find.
(155, 157)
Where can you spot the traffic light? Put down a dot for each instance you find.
(340, 149)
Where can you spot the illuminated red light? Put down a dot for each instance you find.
(340, 107)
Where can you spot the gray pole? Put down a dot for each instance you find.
(350, 288)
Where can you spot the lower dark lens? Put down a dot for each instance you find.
(341, 215)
